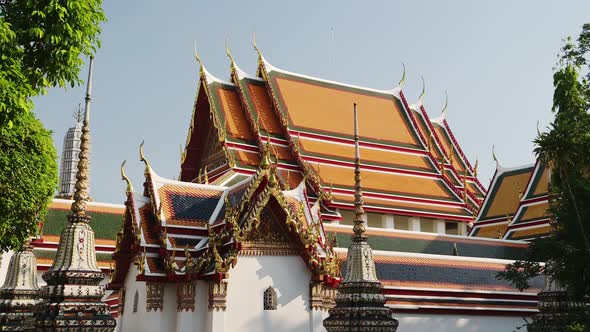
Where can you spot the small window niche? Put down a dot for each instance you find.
(270, 299)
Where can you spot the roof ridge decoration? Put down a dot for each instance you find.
(125, 178)
(204, 73)
(443, 114)
(360, 305)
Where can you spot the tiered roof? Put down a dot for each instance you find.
(276, 145)
(413, 165)
(516, 205)
(181, 231)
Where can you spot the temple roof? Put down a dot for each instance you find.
(302, 117)
(516, 204)
(174, 224)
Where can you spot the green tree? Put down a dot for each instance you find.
(28, 177)
(41, 43)
(565, 147)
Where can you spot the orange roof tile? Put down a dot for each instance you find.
(310, 104)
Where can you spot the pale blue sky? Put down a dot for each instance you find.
(494, 58)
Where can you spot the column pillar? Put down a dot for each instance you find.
(439, 226)
(185, 306)
(462, 228)
(316, 305)
(414, 224)
(387, 221)
(217, 305)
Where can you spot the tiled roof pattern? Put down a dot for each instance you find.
(235, 119)
(523, 194)
(147, 224)
(188, 205)
(430, 273)
(505, 196)
(492, 231)
(430, 244)
(263, 107)
(528, 233)
(315, 147)
(106, 221)
(310, 103)
(386, 182)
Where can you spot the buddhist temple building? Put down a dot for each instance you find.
(253, 235)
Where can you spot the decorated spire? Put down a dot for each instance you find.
(81, 194)
(359, 223)
(360, 305)
(74, 266)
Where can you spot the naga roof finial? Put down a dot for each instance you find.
(125, 178)
(494, 156)
(227, 51)
(260, 57)
(81, 194)
(359, 223)
(475, 167)
(403, 79)
(443, 114)
(198, 58)
(423, 93)
(142, 158)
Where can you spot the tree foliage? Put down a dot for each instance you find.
(41, 43)
(28, 177)
(565, 147)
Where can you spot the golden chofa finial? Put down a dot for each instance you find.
(475, 167)
(423, 93)
(443, 114)
(142, 158)
(403, 79)
(256, 48)
(125, 178)
(227, 51)
(201, 68)
(494, 156)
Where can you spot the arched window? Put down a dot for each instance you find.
(270, 299)
(135, 301)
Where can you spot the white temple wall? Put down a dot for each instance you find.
(133, 321)
(456, 323)
(251, 277)
(4, 265)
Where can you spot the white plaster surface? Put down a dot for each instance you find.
(247, 283)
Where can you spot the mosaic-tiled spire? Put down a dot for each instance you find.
(360, 306)
(72, 299)
(20, 292)
(359, 223)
